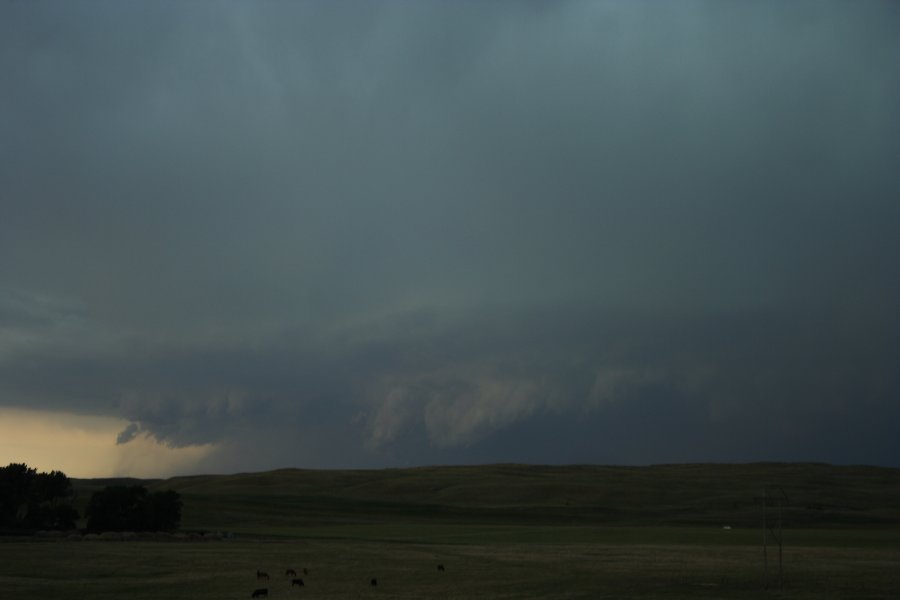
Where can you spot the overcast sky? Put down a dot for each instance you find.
(365, 234)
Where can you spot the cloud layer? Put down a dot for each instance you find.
(352, 234)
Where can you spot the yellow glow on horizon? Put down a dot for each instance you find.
(84, 446)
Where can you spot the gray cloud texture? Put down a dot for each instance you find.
(365, 234)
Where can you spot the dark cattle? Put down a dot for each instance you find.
(374, 582)
(290, 573)
(260, 593)
(440, 567)
(296, 582)
(305, 572)
(262, 575)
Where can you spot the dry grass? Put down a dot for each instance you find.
(343, 568)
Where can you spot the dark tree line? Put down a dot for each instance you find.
(33, 501)
(133, 508)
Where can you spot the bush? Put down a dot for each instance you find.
(133, 508)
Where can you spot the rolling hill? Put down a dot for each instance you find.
(294, 500)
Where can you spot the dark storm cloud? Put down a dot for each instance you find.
(352, 233)
(128, 434)
(546, 385)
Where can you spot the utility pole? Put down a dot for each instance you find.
(779, 499)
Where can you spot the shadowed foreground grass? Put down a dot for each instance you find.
(502, 531)
(342, 568)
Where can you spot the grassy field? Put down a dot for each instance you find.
(817, 495)
(504, 531)
(496, 569)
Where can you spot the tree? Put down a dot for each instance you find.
(32, 500)
(49, 502)
(163, 511)
(15, 480)
(133, 508)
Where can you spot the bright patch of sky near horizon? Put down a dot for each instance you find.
(85, 447)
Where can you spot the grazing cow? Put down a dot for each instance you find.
(261, 574)
(374, 582)
(440, 567)
(296, 582)
(260, 593)
(305, 572)
(290, 573)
